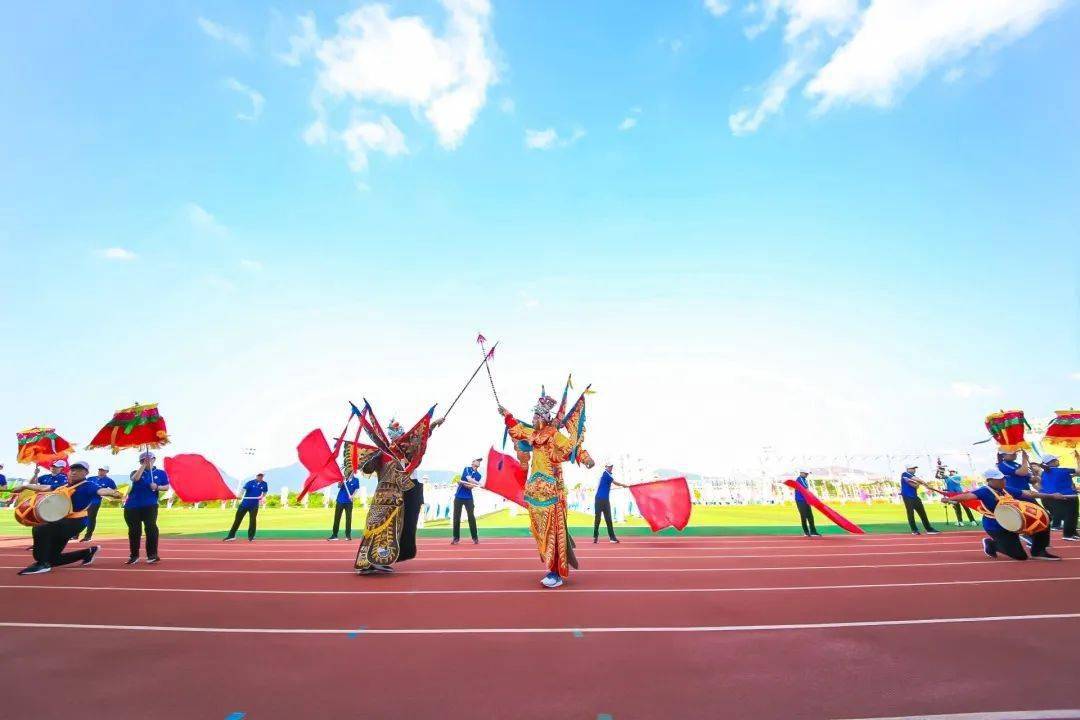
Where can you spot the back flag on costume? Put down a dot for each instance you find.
(824, 509)
(663, 503)
(320, 461)
(505, 477)
(196, 479)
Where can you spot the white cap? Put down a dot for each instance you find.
(80, 464)
(994, 474)
(59, 464)
(804, 471)
(1047, 459)
(147, 456)
(103, 467)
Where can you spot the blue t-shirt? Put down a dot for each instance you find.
(251, 492)
(799, 497)
(101, 482)
(140, 495)
(1012, 480)
(953, 483)
(84, 496)
(989, 500)
(3, 480)
(1058, 480)
(907, 489)
(344, 494)
(464, 492)
(603, 490)
(54, 480)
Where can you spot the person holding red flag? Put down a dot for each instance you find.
(806, 514)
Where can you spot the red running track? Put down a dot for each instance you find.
(672, 627)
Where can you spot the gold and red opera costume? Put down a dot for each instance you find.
(390, 530)
(543, 448)
(41, 446)
(1064, 429)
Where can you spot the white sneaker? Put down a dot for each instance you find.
(551, 582)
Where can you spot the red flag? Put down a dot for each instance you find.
(321, 463)
(663, 503)
(195, 479)
(824, 509)
(505, 477)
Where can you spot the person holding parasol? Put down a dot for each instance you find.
(141, 508)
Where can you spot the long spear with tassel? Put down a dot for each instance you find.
(480, 340)
(483, 363)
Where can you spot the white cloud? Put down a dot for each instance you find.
(507, 106)
(361, 137)
(316, 133)
(672, 45)
(303, 44)
(1075, 376)
(870, 53)
(223, 34)
(252, 265)
(964, 389)
(116, 253)
(954, 75)
(254, 96)
(378, 60)
(204, 221)
(716, 8)
(549, 138)
(628, 123)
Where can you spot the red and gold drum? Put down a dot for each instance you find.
(1021, 517)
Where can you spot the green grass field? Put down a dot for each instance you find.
(706, 520)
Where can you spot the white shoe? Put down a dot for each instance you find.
(550, 581)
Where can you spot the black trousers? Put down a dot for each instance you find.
(347, 509)
(1008, 543)
(414, 500)
(602, 506)
(136, 519)
(959, 518)
(1064, 513)
(252, 522)
(914, 505)
(50, 539)
(468, 505)
(91, 519)
(806, 517)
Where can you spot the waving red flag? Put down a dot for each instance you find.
(824, 509)
(505, 477)
(663, 503)
(321, 463)
(195, 479)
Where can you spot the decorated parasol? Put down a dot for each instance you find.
(41, 446)
(138, 426)
(1064, 429)
(1007, 430)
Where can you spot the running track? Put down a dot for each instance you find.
(658, 627)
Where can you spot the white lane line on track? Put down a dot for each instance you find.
(544, 631)
(1006, 715)
(340, 548)
(488, 558)
(349, 571)
(514, 591)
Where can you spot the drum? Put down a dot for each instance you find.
(1021, 517)
(41, 508)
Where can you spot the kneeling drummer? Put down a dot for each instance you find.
(1000, 539)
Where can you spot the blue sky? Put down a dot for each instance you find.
(824, 226)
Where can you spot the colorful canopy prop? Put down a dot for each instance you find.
(824, 509)
(1064, 429)
(196, 479)
(505, 477)
(663, 503)
(1007, 429)
(41, 446)
(133, 427)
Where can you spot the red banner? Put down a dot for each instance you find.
(196, 479)
(321, 463)
(824, 509)
(663, 503)
(505, 477)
